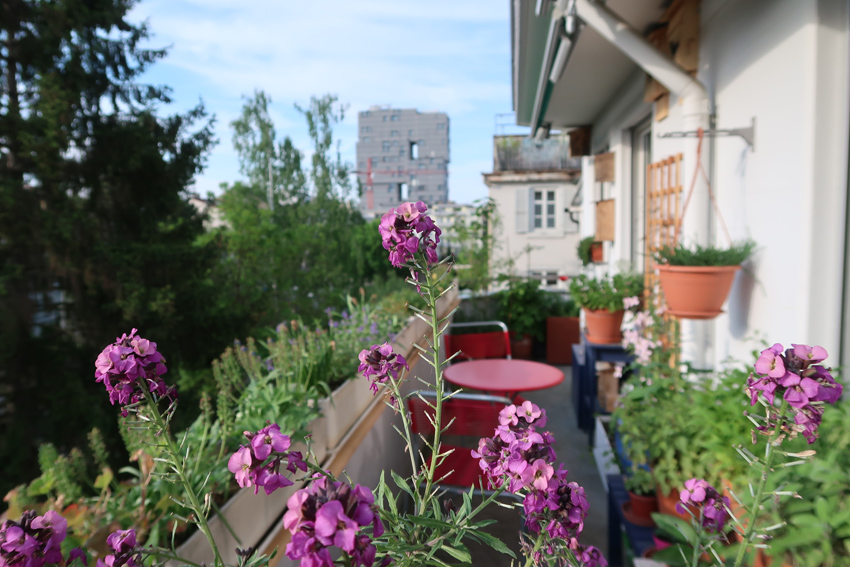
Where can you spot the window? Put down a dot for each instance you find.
(421, 188)
(401, 152)
(365, 129)
(422, 165)
(394, 133)
(362, 165)
(390, 188)
(544, 209)
(366, 138)
(394, 118)
(414, 150)
(403, 193)
(410, 133)
(386, 146)
(365, 113)
(384, 118)
(441, 126)
(439, 187)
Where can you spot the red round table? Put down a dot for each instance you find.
(503, 375)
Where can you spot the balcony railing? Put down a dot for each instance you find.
(521, 153)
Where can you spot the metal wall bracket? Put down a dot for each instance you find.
(748, 134)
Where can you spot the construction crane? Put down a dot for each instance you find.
(370, 178)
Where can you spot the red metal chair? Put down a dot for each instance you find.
(494, 344)
(464, 415)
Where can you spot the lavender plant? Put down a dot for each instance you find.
(331, 521)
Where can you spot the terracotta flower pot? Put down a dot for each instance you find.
(603, 326)
(596, 252)
(696, 292)
(521, 348)
(667, 504)
(643, 506)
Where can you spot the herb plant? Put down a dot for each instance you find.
(606, 293)
(705, 255)
(584, 250)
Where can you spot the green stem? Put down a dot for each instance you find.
(529, 561)
(405, 421)
(179, 468)
(438, 385)
(769, 455)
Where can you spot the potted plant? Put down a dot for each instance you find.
(523, 307)
(696, 281)
(642, 502)
(562, 330)
(589, 251)
(602, 301)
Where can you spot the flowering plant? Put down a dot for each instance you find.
(792, 389)
(331, 521)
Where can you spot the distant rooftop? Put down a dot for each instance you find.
(521, 153)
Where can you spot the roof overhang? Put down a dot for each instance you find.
(554, 176)
(594, 71)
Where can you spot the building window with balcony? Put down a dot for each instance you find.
(544, 209)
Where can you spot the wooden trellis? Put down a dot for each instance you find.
(663, 211)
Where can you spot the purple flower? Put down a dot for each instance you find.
(379, 363)
(33, 541)
(537, 474)
(704, 500)
(78, 553)
(130, 367)
(591, 557)
(250, 466)
(331, 514)
(123, 543)
(406, 230)
(794, 375)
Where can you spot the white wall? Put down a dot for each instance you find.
(555, 250)
(784, 62)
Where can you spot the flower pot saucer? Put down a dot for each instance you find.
(695, 314)
(636, 520)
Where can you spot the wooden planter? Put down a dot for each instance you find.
(350, 414)
(603, 326)
(696, 292)
(561, 334)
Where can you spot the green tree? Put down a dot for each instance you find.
(96, 235)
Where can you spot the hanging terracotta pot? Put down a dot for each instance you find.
(696, 292)
(603, 326)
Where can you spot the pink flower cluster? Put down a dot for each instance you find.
(332, 514)
(33, 541)
(636, 337)
(796, 376)
(705, 502)
(406, 230)
(380, 363)
(250, 466)
(126, 553)
(127, 366)
(521, 456)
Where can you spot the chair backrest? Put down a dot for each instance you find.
(474, 415)
(493, 344)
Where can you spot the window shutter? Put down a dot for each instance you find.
(522, 217)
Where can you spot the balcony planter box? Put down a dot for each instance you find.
(252, 516)
(561, 334)
(603, 452)
(696, 292)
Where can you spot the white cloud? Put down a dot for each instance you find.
(447, 55)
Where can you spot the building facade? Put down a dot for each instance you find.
(534, 185)
(402, 155)
(766, 81)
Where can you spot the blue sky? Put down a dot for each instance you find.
(445, 55)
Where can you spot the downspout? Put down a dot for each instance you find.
(697, 338)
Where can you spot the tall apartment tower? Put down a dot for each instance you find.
(402, 155)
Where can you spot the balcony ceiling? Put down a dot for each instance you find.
(594, 72)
